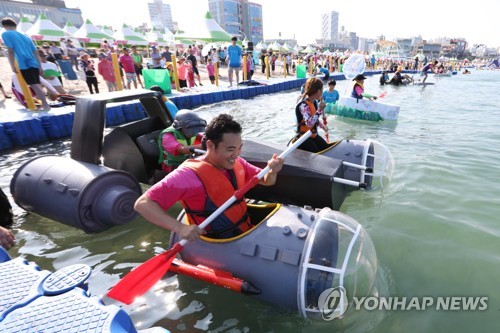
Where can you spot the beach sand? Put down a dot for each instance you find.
(79, 87)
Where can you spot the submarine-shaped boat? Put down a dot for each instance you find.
(293, 255)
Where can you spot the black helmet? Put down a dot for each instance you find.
(189, 122)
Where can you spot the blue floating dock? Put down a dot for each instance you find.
(35, 300)
(23, 128)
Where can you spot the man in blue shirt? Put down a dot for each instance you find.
(234, 54)
(28, 60)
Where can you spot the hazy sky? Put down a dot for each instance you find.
(477, 21)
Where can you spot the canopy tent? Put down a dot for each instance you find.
(108, 30)
(286, 47)
(156, 37)
(129, 36)
(90, 33)
(70, 28)
(260, 46)
(24, 25)
(275, 46)
(168, 36)
(208, 31)
(244, 42)
(45, 29)
(308, 50)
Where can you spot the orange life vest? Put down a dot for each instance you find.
(232, 221)
(303, 127)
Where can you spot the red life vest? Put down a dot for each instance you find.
(234, 220)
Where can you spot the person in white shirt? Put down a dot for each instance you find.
(50, 77)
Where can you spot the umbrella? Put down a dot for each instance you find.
(24, 25)
(208, 31)
(45, 29)
(89, 32)
(127, 34)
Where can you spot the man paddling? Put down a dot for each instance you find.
(204, 184)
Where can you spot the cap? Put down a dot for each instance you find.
(359, 77)
(102, 55)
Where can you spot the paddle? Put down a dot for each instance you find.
(382, 95)
(144, 276)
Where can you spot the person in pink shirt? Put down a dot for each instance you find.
(179, 140)
(211, 71)
(105, 69)
(182, 72)
(190, 74)
(221, 165)
(128, 65)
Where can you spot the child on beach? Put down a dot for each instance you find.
(190, 74)
(211, 71)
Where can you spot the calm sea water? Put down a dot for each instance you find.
(435, 227)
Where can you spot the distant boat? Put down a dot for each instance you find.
(363, 109)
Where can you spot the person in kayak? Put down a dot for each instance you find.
(178, 141)
(202, 184)
(358, 90)
(309, 112)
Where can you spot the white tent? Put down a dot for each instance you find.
(24, 25)
(156, 37)
(70, 28)
(127, 35)
(108, 30)
(208, 31)
(90, 33)
(45, 29)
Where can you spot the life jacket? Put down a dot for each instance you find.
(234, 220)
(168, 158)
(354, 94)
(302, 127)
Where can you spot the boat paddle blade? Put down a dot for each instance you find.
(144, 276)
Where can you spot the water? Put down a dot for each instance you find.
(435, 227)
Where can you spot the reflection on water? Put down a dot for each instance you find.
(435, 227)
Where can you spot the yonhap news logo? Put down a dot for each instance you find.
(333, 303)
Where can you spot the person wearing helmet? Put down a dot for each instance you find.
(179, 140)
(204, 184)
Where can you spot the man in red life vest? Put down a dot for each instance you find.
(204, 184)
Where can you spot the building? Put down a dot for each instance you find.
(160, 15)
(238, 18)
(55, 10)
(330, 28)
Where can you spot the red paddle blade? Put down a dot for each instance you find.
(143, 277)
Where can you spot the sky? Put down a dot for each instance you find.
(477, 21)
